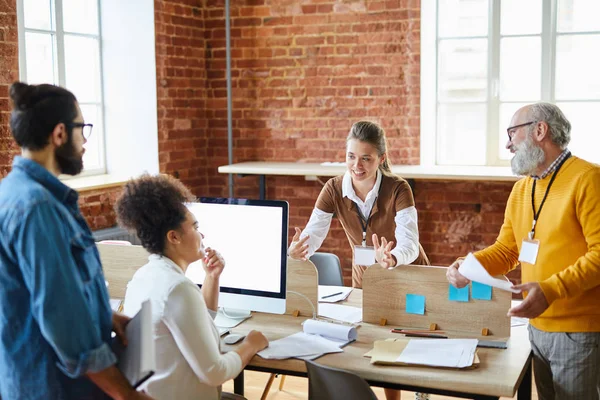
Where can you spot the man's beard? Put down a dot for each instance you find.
(68, 160)
(528, 157)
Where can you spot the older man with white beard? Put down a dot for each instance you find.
(552, 228)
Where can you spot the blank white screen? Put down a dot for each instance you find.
(248, 238)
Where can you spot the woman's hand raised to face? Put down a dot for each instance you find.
(299, 248)
(213, 263)
(383, 253)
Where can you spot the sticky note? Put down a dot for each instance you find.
(455, 294)
(415, 304)
(481, 291)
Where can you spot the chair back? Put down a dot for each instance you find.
(329, 267)
(327, 383)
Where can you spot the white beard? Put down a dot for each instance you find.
(528, 157)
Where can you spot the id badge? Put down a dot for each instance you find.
(364, 255)
(529, 250)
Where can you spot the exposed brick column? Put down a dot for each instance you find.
(9, 72)
(181, 91)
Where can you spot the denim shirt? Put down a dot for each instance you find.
(55, 318)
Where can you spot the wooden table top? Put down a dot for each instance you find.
(499, 373)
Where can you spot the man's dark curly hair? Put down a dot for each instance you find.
(151, 206)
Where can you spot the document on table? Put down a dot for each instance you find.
(333, 294)
(317, 338)
(451, 353)
(342, 313)
(472, 269)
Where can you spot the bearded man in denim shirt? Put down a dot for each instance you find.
(55, 318)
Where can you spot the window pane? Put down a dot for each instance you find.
(93, 150)
(80, 16)
(585, 141)
(520, 17)
(37, 14)
(520, 68)
(577, 67)
(461, 134)
(82, 68)
(462, 69)
(507, 110)
(578, 15)
(458, 18)
(39, 52)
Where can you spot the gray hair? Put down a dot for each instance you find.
(560, 127)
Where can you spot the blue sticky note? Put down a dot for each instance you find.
(455, 294)
(481, 291)
(415, 304)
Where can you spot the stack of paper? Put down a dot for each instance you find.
(338, 312)
(444, 353)
(318, 338)
(450, 353)
(333, 294)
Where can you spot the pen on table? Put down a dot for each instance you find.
(331, 295)
(417, 331)
(426, 335)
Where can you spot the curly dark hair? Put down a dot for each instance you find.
(151, 206)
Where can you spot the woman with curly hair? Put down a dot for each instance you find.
(189, 363)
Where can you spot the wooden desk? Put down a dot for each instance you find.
(263, 168)
(501, 373)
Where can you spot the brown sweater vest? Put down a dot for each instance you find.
(394, 195)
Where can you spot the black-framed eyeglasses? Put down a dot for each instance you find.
(512, 129)
(86, 129)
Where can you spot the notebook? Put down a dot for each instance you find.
(137, 360)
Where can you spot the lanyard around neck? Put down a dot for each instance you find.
(536, 215)
(364, 223)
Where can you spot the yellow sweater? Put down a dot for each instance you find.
(568, 261)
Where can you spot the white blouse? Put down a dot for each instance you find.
(189, 362)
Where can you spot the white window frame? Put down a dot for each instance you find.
(60, 74)
(429, 73)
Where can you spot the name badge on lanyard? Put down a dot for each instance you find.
(529, 251)
(364, 255)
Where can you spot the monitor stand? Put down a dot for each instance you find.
(230, 317)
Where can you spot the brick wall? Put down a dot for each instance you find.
(302, 73)
(9, 72)
(181, 83)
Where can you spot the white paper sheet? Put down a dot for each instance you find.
(472, 269)
(317, 338)
(332, 293)
(453, 353)
(298, 345)
(342, 313)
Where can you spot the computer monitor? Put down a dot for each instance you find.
(252, 236)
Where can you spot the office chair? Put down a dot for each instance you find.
(327, 383)
(329, 268)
